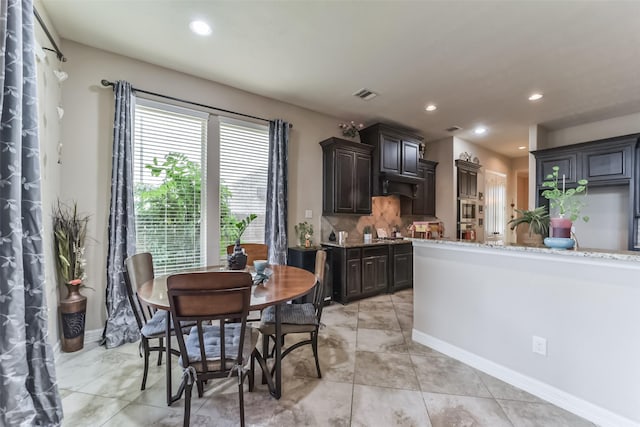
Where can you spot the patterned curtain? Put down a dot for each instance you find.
(121, 326)
(276, 219)
(28, 392)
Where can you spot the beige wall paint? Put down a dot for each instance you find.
(49, 94)
(87, 134)
(441, 151)
(617, 126)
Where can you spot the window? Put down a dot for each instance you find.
(244, 156)
(171, 181)
(168, 172)
(496, 203)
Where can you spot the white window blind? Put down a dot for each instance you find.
(496, 205)
(168, 184)
(244, 156)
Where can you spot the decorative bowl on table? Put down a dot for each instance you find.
(559, 242)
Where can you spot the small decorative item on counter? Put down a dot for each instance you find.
(238, 259)
(332, 236)
(423, 150)
(304, 230)
(350, 129)
(367, 234)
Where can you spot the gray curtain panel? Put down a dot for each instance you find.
(121, 326)
(275, 229)
(28, 391)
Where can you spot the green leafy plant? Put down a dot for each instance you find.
(537, 219)
(304, 231)
(367, 229)
(242, 224)
(568, 202)
(69, 235)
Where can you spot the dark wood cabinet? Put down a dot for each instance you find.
(402, 267)
(395, 159)
(367, 270)
(305, 258)
(608, 163)
(467, 173)
(347, 186)
(566, 162)
(425, 201)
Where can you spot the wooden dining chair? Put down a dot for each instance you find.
(297, 318)
(253, 251)
(219, 349)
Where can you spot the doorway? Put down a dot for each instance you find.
(496, 206)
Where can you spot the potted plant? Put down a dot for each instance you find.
(567, 202)
(238, 259)
(304, 231)
(537, 221)
(69, 235)
(367, 234)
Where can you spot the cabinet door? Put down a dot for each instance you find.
(566, 162)
(418, 204)
(463, 183)
(410, 156)
(429, 194)
(402, 270)
(389, 154)
(608, 163)
(368, 274)
(382, 273)
(362, 192)
(472, 185)
(343, 190)
(353, 278)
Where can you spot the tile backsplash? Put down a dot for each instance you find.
(385, 214)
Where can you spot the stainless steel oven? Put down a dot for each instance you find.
(468, 210)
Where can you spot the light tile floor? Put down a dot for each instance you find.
(373, 374)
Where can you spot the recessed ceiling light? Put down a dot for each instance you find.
(431, 107)
(480, 130)
(535, 96)
(200, 27)
(522, 147)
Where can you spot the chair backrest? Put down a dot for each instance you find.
(138, 269)
(211, 296)
(253, 251)
(318, 296)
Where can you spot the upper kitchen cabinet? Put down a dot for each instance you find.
(395, 159)
(467, 179)
(346, 170)
(425, 201)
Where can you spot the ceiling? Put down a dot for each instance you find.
(478, 61)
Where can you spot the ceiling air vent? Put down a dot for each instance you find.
(453, 129)
(365, 94)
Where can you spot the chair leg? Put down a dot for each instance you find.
(145, 348)
(241, 397)
(265, 355)
(160, 352)
(187, 404)
(252, 372)
(314, 345)
(200, 388)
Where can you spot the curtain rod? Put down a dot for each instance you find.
(106, 83)
(55, 49)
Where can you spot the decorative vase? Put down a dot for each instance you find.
(561, 227)
(368, 237)
(73, 310)
(237, 260)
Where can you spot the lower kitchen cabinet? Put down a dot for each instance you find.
(368, 270)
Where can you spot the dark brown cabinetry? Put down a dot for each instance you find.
(402, 267)
(395, 159)
(347, 186)
(425, 201)
(305, 258)
(605, 162)
(360, 272)
(467, 179)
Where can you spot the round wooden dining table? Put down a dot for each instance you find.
(285, 283)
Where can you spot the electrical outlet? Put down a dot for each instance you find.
(308, 214)
(540, 345)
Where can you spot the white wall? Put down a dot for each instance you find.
(617, 126)
(483, 305)
(88, 127)
(441, 151)
(49, 94)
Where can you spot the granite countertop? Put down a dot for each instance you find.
(581, 252)
(375, 242)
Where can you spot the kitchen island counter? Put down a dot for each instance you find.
(485, 305)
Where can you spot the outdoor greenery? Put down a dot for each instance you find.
(537, 219)
(177, 200)
(568, 202)
(69, 233)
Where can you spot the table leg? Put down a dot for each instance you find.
(277, 393)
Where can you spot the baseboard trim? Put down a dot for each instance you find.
(562, 399)
(93, 335)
